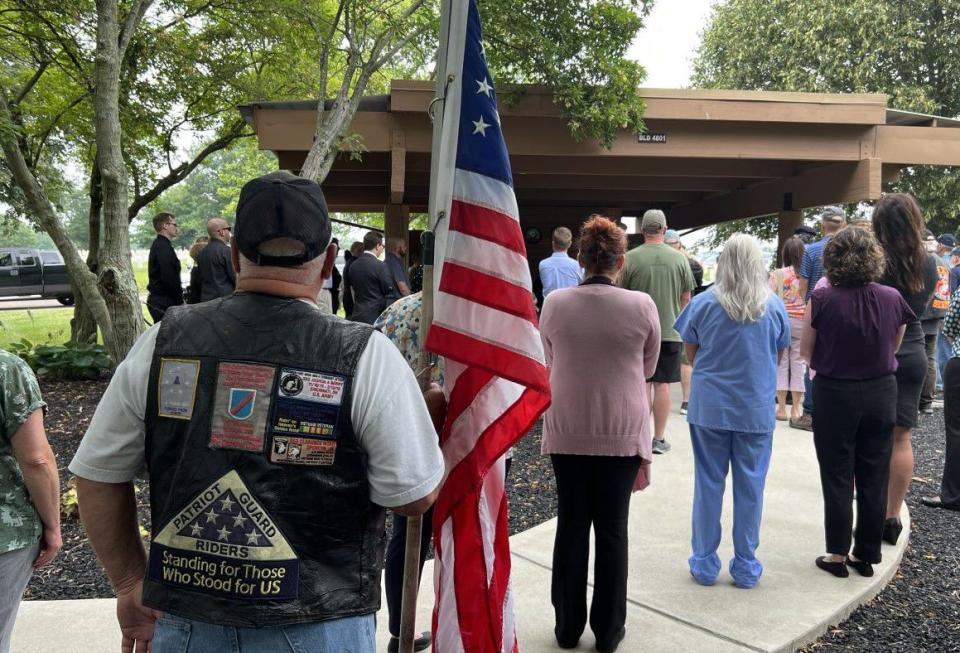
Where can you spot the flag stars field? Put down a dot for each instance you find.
(480, 127)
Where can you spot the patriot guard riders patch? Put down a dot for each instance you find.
(223, 543)
(305, 411)
(177, 387)
(240, 406)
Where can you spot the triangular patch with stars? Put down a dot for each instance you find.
(224, 543)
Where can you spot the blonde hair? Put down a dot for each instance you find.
(742, 286)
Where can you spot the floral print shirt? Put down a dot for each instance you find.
(20, 525)
(951, 324)
(401, 324)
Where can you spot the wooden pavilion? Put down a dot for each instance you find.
(709, 156)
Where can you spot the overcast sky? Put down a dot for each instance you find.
(668, 42)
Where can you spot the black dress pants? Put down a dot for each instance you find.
(950, 486)
(930, 380)
(591, 490)
(853, 433)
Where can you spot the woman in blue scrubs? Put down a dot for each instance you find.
(735, 334)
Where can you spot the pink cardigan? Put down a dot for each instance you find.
(601, 343)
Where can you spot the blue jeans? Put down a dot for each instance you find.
(175, 634)
(748, 456)
(807, 393)
(943, 356)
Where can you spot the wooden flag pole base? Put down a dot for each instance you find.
(411, 557)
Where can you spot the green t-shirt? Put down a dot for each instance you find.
(20, 525)
(663, 273)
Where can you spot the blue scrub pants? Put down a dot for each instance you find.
(807, 393)
(748, 456)
(944, 354)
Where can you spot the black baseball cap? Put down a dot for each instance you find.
(281, 205)
(804, 230)
(947, 240)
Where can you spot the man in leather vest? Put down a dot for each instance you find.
(274, 437)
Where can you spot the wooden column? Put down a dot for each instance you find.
(396, 222)
(789, 222)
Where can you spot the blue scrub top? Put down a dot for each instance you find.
(734, 381)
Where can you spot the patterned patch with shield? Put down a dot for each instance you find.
(241, 406)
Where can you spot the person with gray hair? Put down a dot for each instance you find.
(272, 435)
(735, 334)
(217, 276)
(663, 273)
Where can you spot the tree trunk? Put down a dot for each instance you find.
(83, 328)
(115, 274)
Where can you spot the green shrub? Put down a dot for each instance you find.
(70, 360)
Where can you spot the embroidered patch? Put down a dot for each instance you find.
(302, 451)
(177, 387)
(307, 404)
(241, 406)
(223, 543)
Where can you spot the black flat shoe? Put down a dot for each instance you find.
(421, 642)
(891, 530)
(937, 502)
(863, 568)
(838, 569)
(611, 646)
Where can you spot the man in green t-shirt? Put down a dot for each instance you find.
(663, 273)
(29, 488)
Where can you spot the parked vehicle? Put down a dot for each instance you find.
(25, 272)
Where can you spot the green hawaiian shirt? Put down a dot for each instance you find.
(19, 397)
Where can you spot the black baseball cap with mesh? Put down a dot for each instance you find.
(281, 205)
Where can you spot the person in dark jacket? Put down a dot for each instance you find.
(217, 276)
(349, 257)
(193, 290)
(163, 267)
(371, 282)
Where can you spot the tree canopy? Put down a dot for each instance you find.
(907, 49)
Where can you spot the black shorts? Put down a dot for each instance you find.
(668, 365)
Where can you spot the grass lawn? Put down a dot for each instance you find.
(41, 326)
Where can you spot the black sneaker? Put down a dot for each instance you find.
(661, 446)
(683, 408)
(420, 642)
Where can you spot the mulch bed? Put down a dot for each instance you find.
(918, 611)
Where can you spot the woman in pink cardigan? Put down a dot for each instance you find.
(601, 342)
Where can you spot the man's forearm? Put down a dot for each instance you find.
(109, 515)
(42, 482)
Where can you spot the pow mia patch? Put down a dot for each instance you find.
(241, 405)
(302, 451)
(177, 387)
(307, 404)
(223, 543)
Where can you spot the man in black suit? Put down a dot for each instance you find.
(217, 276)
(163, 268)
(370, 281)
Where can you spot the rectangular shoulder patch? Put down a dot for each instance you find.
(177, 387)
(241, 406)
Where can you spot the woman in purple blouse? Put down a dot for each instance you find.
(852, 331)
(600, 341)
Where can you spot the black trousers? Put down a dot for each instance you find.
(853, 433)
(591, 490)
(930, 380)
(397, 551)
(950, 486)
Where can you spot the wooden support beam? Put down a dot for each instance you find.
(789, 222)
(398, 155)
(396, 223)
(918, 145)
(831, 184)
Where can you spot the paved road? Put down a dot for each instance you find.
(19, 303)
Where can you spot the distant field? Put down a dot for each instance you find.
(40, 326)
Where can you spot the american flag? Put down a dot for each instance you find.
(486, 326)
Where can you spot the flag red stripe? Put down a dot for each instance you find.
(477, 629)
(487, 224)
(502, 362)
(469, 384)
(503, 433)
(500, 579)
(489, 291)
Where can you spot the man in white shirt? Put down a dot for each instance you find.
(559, 270)
(274, 437)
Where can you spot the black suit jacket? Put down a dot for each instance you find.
(163, 270)
(217, 276)
(373, 288)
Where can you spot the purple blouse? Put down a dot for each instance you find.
(857, 330)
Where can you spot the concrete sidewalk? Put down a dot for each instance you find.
(793, 604)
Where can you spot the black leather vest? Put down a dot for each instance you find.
(258, 487)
